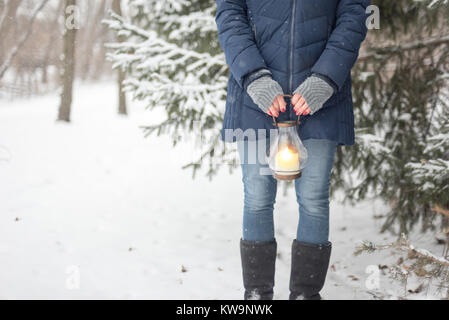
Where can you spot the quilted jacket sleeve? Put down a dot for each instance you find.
(237, 39)
(342, 49)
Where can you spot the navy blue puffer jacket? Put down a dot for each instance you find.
(292, 39)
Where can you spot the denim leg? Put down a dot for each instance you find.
(312, 192)
(260, 195)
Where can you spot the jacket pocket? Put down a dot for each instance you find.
(249, 103)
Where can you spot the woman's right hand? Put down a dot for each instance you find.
(268, 95)
(277, 106)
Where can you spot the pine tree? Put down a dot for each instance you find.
(430, 175)
(174, 62)
(400, 92)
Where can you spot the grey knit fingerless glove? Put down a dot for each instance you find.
(316, 92)
(263, 91)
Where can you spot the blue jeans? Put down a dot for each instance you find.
(312, 193)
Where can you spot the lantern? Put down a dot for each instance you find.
(287, 156)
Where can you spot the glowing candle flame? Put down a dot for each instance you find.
(287, 159)
(286, 154)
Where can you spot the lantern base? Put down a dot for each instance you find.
(287, 177)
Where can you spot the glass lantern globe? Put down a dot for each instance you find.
(288, 156)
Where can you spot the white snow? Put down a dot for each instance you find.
(92, 209)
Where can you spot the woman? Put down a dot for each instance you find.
(305, 48)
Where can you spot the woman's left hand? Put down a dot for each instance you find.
(300, 105)
(311, 95)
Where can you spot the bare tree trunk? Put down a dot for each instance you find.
(68, 64)
(122, 107)
(9, 14)
(92, 36)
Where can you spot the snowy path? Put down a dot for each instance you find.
(96, 202)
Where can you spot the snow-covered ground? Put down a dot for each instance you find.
(92, 209)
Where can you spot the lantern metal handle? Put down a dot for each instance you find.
(298, 122)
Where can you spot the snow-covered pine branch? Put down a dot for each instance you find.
(164, 73)
(402, 244)
(431, 175)
(180, 26)
(157, 8)
(377, 52)
(434, 3)
(173, 61)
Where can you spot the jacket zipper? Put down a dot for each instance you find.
(292, 37)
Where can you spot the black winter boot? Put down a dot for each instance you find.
(258, 265)
(309, 268)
